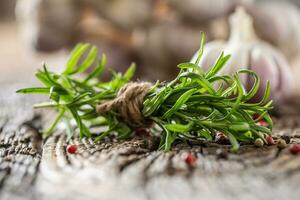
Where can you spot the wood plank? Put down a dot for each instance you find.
(132, 169)
(20, 146)
(129, 170)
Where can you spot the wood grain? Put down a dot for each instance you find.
(31, 168)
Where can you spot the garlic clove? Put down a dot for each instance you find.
(278, 23)
(264, 66)
(202, 10)
(47, 25)
(249, 52)
(287, 81)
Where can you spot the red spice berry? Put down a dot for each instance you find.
(262, 123)
(72, 148)
(189, 158)
(221, 138)
(270, 140)
(295, 149)
(220, 135)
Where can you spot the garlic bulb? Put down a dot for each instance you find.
(203, 10)
(248, 52)
(278, 22)
(47, 25)
(126, 14)
(160, 48)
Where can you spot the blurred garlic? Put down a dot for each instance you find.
(165, 45)
(248, 52)
(203, 10)
(296, 74)
(47, 25)
(126, 14)
(278, 23)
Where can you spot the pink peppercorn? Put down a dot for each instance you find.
(72, 148)
(270, 140)
(189, 158)
(221, 138)
(262, 123)
(295, 149)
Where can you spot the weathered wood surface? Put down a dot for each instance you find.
(34, 169)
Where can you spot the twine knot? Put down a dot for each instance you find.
(129, 102)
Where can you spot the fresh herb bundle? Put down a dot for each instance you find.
(195, 105)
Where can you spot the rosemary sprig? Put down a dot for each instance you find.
(196, 104)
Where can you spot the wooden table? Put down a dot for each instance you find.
(31, 168)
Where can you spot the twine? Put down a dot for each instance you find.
(128, 103)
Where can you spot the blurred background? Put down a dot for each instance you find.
(156, 34)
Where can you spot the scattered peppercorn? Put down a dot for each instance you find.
(259, 142)
(286, 138)
(295, 149)
(189, 158)
(222, 154)
(262, 123)
(281, 144)
(221, 138)
(270, 140)
(72, 148)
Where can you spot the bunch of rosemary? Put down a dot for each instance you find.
(195, 105)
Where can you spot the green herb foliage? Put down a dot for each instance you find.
(194, 106)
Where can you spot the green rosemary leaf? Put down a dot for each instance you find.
(201, 50)
(184, 97)
(196, 104)
(48, 76)
(74, 58)
(41, 76)
(200, 79)
(78, 98)
(153, 104)
(206, 134)
(193, 67)
(130, 72)
(260, 129)
(90, 59)
(235, 144)
(179, 127)
(239, 127)
(52, 127)
(255, 86)
(105, 133)
(170, 138)
(227, 79)
(83, 130)
(241, 90)
(124, 131)
(220, 63)
(68, 128)
(98, 70)
(245, 137)
(46, 105)
(266, 94)
(34, 90)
